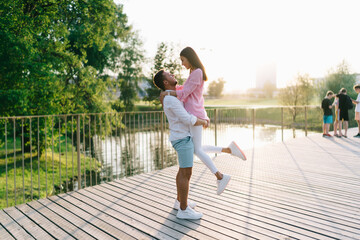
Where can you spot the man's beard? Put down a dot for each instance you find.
(175, 83)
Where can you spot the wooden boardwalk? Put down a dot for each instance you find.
(305, 188)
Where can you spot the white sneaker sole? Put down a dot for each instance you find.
(222, 190)
(241, 153)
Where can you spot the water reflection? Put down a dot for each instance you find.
(140, 152)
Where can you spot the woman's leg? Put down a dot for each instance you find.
(196, 133)
(215, 149)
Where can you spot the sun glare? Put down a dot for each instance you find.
(232, 38)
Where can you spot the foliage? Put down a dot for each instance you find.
(298, 93)
(336, 79)
(130, 65)
(165, 58)
(216, 88)
(54, 55)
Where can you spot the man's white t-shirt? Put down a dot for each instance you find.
(357, 108)
(179, 119)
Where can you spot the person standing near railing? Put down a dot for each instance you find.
(337, 117)
(357, 108)
(191, 93)
(179, 124)
(345, 104)
(328, 116)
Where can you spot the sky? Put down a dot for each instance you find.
(234, 37)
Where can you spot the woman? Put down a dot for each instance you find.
(191, 94)
(337, 117)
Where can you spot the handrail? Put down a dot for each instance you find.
(84, 145)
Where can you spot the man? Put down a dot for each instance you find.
(180, 137)
(344, 114)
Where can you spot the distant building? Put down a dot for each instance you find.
(265, 74)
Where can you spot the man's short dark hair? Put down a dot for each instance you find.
(343, 90)
(159, 80)
(357, 86)
(329, 93)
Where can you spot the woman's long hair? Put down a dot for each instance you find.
(194, 60)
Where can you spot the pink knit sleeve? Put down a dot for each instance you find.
(179, 87)
(190, 85)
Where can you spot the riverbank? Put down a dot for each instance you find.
(32, 178)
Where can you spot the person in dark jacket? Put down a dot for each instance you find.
(344, 114)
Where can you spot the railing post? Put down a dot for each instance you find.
(305, 121)
(282, 124)
(162, 140)
(253, 118)
(215, 122)
(78, 150)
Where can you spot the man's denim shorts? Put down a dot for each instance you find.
(185, 150)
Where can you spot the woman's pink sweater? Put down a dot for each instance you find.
(191, 94)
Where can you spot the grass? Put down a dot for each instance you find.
(45, 171)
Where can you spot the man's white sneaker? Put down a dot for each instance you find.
(223, 183)
(188, 213)
(190, 203)
(236, 151)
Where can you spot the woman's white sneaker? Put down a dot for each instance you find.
(190, 203)
(236, 151)
(222, 183)
(188, 213)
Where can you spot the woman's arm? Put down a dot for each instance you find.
(164, 93)
(190, 85)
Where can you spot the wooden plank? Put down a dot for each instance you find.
(312, 221)
(154, 228)
(152, 200)
(274, 193)
(164, 209)
(287, 221)
(32, 228)
(338, 209)
(44, 223)
(105, 230)
(61, 221)
(279, 200)
(5, 234)
(300, 186)
(16, 230)
(127, 231)
(90, 227)
(241, 219)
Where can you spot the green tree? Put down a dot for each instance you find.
(165, 58)
(131, 59)
(53, 55)
(216, 88)
(338, 78)
(298, 93)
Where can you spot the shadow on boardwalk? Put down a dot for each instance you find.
(304, 188)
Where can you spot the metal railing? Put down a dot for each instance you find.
(46, 155)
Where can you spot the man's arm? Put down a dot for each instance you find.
(178, 109)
